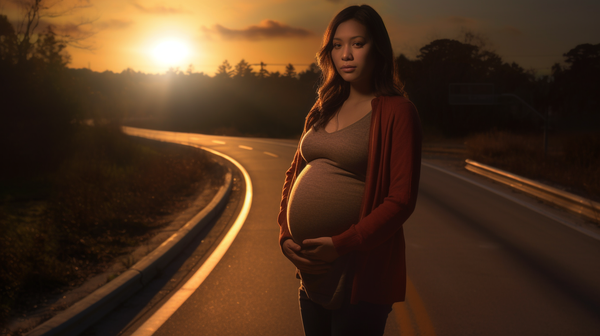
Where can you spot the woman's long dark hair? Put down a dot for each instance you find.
(334, 90)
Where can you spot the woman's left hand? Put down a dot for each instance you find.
(319, 249)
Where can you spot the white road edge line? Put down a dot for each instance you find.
(543, 212)
(245, 147)
(271, 154)
(168, 308)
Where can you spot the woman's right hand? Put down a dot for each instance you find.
(293, 252)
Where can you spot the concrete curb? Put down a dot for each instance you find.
(563, 199)
(93, 307)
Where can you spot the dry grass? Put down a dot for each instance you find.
(573, 160)
(62, 227)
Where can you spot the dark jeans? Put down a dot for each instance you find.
(364, 319)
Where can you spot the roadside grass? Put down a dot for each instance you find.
(61, 227)
(572, 162)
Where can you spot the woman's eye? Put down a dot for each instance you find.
(359, 44)
(336, 45)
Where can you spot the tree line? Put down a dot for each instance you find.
(239, 100)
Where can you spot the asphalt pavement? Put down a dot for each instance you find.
(479, 263)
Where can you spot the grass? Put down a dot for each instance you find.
(64, 225)
(572, 162)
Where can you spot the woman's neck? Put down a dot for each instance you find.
(360, 92)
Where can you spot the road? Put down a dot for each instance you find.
(478, 262)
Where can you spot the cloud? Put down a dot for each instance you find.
(266, 29)
(460, 21)
(114, 24)
(68, 28)
(159, 9)
(511, 31)
(75, 31)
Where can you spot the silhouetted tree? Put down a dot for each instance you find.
(8, 42)
(311, 75)
(474, 38)
(262, 73)
(290, 71)
(576, 88)
(447, 61)
(34, 11)
(174, 71)
(50, 51)
(243, 69)
(224, 70)
(40, 103)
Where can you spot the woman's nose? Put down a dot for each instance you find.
(347, 54)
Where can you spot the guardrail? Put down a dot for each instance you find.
(566, 200)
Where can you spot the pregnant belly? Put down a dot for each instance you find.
(325, 201)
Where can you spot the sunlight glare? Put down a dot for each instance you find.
(170, 52)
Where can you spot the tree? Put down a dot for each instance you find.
(50, 51)
(224, 70)
(446, 61)
(243, 69)
(470, 37)
(41, 103)
(262, 73)
(576, 87)
(584, 56)
(8, 42)
(290, 71)
(34, 11)
(312, 74)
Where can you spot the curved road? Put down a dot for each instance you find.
(478, 262)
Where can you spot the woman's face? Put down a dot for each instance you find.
(351, 52)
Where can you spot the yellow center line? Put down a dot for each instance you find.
(245, 147)
(412, 315)
(219, 142)
(271, 154)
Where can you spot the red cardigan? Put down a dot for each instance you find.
(393, 169)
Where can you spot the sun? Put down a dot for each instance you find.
(170, 52)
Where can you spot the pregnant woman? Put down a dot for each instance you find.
(353, 183)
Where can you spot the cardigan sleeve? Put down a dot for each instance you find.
(397, 166)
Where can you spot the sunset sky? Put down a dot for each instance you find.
(144, 34)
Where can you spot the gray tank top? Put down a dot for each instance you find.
(326, 197)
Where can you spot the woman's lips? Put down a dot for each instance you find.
(348, 68)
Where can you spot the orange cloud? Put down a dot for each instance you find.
(114, 24)
(68, 28)
(76, 34)
(511, 31)
(159, 9)
(460, 21)
(266, 29)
